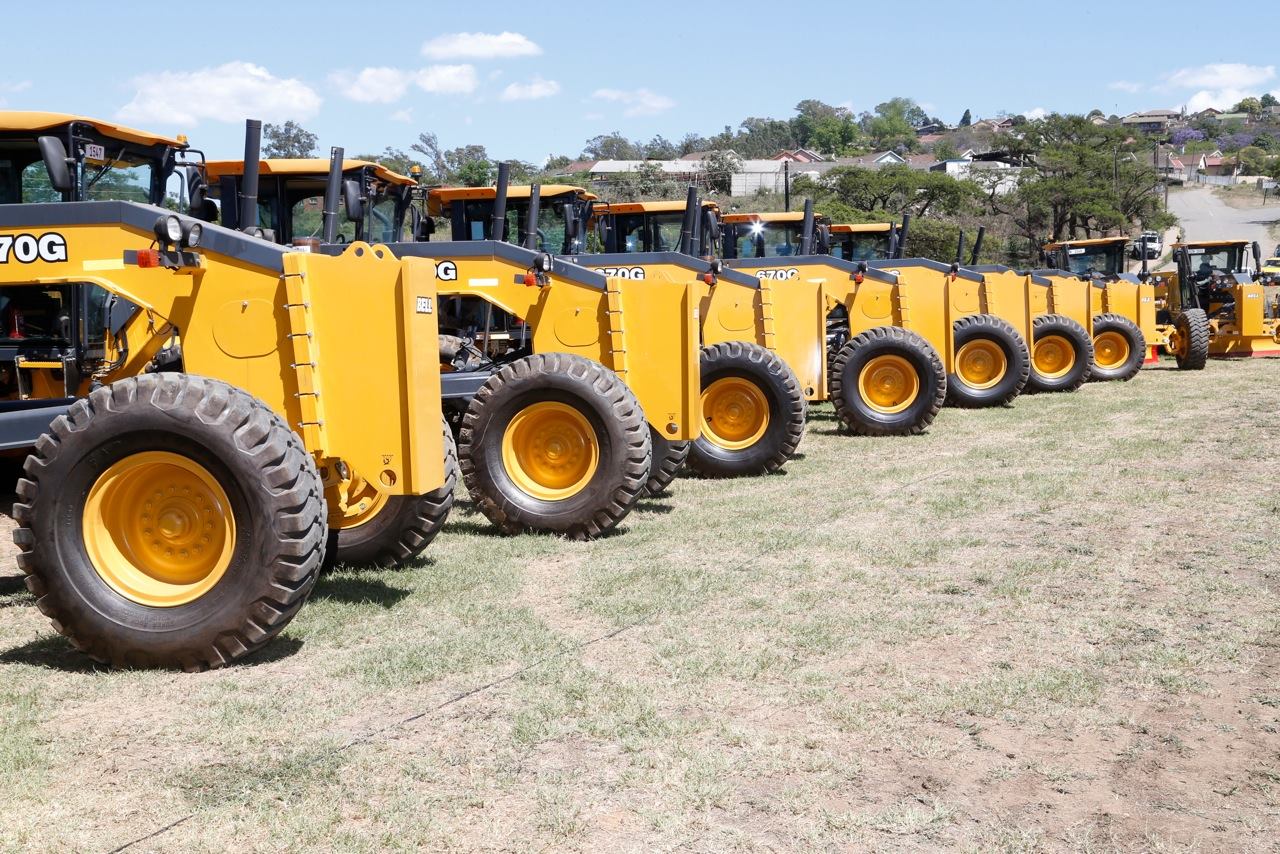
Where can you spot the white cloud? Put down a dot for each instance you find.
(1222, 75)
(405, 115)
(228, 93)
(1036, 114)
(1222, 99)
(12, 89)
(1126, 86)
(502, 45)
(639, 102)
(372, 85)
(447, 79)
(531, 91)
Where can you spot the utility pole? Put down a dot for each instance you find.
(786, 185)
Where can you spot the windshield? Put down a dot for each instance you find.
(655, 232)
(1096, 260)
(115, 175)
(873, 246)
(1204, 262)
(767, 239)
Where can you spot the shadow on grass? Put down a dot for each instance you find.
(10, 585)
(658, 505)
(52, 653)
(358, 590)
(56, 653)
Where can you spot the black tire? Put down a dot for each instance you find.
(777, 385)
(404, 528)
(617, 423)
(272, 488)
(1062, 331)
(1121, 366)
(863, 417)
(668, 458)
(1192, 326)
(978, 328)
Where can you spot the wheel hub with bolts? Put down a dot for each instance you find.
(1110, 349)
(888, 384)
(735, 413)
(981, 364)
(550, 450)
(1054, 357)
(158, 529)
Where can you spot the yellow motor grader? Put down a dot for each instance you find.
(751, 396)
(1130, 322)
(1215, 277)
(192, 401)
(555, 429)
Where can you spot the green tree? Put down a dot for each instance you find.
(891, 128)
(1269, 100)
(720, 168)
(288, 140)
(1253, 160)
(1250, 105)
(393, 158)
(612, 146)
(475, 173)
(944, 149)
(967, 119)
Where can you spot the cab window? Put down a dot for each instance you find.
(122, 178)
(36, 186)
(308, 219)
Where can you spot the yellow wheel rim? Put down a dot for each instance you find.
(550, 451)
(735, 413)
(981, 364)
(354, 502)
(1110, 350)
(1053, 356)
(158, 529)
(888, 384)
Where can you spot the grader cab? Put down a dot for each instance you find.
(1215, 278)
(864, 241)
(556, 426)
(194, 407)
(1127, 325)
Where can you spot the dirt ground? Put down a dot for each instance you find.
(1049, 627)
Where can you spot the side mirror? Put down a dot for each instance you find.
(199, 204)
(351, 198)
(426, 227)
(54, 154)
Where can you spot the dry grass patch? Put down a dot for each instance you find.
(1048, 627)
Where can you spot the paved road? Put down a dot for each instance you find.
(1206, 217)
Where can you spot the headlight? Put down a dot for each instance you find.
(545, 262)
(168, 229)
(717, 266)
(191, 234)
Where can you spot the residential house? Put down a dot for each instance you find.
(1152, 121)
(799, 155)
(998, 125)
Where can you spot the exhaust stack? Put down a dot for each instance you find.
(977, 246)
(332, 191)
(689, 225)
(902, 236)
(960, 248)
(530, 237)
(498, 226)
(806, 229)
(252, 170)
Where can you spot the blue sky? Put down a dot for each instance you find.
(529, 80)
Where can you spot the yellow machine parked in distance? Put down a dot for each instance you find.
(181, 388)
(752, 407)
(1215, 277)
(555, 431)
(864, 241)
(1129, 322)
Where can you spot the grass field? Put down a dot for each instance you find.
(1049, 627)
